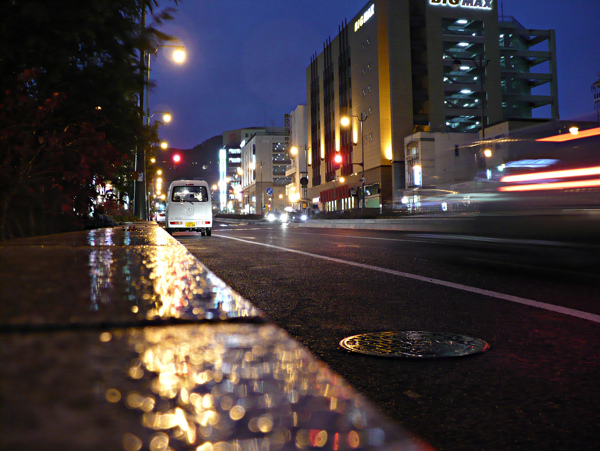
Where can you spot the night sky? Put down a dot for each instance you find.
(247, 59)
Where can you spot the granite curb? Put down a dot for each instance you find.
(118, 338)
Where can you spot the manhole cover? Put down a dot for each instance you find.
(425, 345)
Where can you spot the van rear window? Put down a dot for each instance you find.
(189, 194)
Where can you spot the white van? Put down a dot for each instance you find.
(189, 207)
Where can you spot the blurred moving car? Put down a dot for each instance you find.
(297, 216)
(286, 216)
(276, 216)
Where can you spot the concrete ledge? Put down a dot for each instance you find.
(120, 339)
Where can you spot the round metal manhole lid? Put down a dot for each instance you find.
(418, 344)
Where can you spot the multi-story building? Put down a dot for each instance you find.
(401, 67)
(230, 166)
(265, 157)
(298, 149)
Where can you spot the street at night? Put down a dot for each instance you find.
(324, 224)
(535, 388)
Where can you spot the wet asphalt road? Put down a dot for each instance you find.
(538, 387)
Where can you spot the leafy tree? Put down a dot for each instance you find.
(70, 116)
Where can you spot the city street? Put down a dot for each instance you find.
(535, 388)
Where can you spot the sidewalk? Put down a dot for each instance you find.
(120, 339)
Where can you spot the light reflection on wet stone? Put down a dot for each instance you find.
(245, 386)
(178, 286)
(218, 385)
(163, 283)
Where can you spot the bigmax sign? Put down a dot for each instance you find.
(479, 4)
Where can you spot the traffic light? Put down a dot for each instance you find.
(176, 158)
(337, 160)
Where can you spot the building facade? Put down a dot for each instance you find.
(265, 158)
(298, 170)
(401, 67)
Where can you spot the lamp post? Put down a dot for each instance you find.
(140, 187)
(303, 180)
(257, 187)
(336, 179)
(345, 122)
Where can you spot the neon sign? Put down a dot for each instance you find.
(476, 4)
(366, 16)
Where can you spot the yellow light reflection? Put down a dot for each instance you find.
(209, 380)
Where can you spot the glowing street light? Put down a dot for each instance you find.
(179, 55)
(164, 145)
(166, 116)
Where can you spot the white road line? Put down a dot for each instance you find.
(364, 237)
(244, 230)
(506, 297)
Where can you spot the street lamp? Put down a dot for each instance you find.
(345, 121)
(166, 116)
(336, 179)
(303, 180)
(140, 187)
(253, 166)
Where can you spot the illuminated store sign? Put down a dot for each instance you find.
(366, 16)
(478, 4)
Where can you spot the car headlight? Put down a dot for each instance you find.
(284, 217)
(303, 218)
(271, 217)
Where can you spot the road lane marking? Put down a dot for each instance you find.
(245, 230)
(506, 297)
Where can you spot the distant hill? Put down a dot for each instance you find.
(200, 162)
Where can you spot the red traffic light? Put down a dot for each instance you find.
(176, 158)
(337, 160)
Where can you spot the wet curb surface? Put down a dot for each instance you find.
(120, 339)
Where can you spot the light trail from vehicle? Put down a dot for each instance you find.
(552, 186)
(551, 175)
(571, 136)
